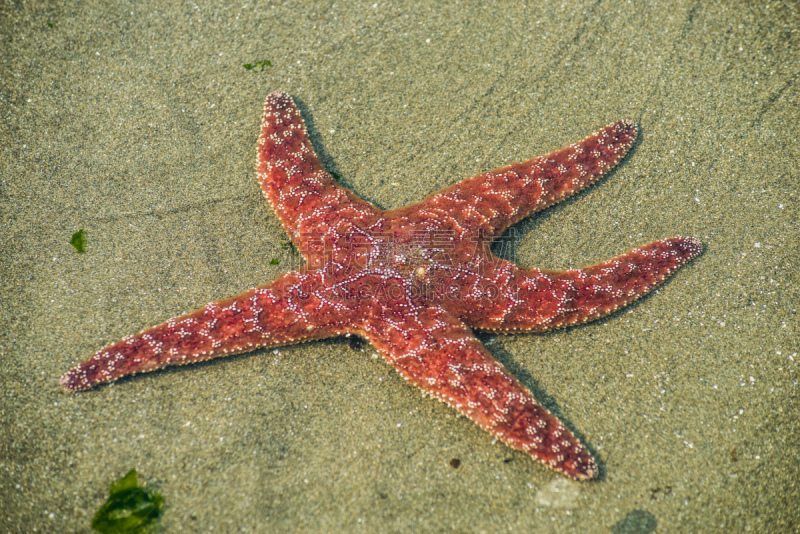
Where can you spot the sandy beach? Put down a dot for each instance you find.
(138, 123)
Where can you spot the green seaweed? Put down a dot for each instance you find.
(288, 245)
(263, 64)
(335, 176)
(79, 241)
(274, 261)
(130, 509)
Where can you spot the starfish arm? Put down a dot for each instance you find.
(489, 203)
(536, 300)
(313, 209)
(437, 353)
(283, 312)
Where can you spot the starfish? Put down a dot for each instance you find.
(414, 282)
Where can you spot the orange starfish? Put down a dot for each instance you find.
(414, 281)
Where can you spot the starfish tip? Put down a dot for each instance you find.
(582, 467)
(688, 247)
(70, 381)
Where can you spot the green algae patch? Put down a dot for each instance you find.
(79, 241)
(289, 247)
(130, 509)
(263, 64)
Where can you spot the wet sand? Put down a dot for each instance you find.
(138, 124)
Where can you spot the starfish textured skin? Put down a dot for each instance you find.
(414, 281)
